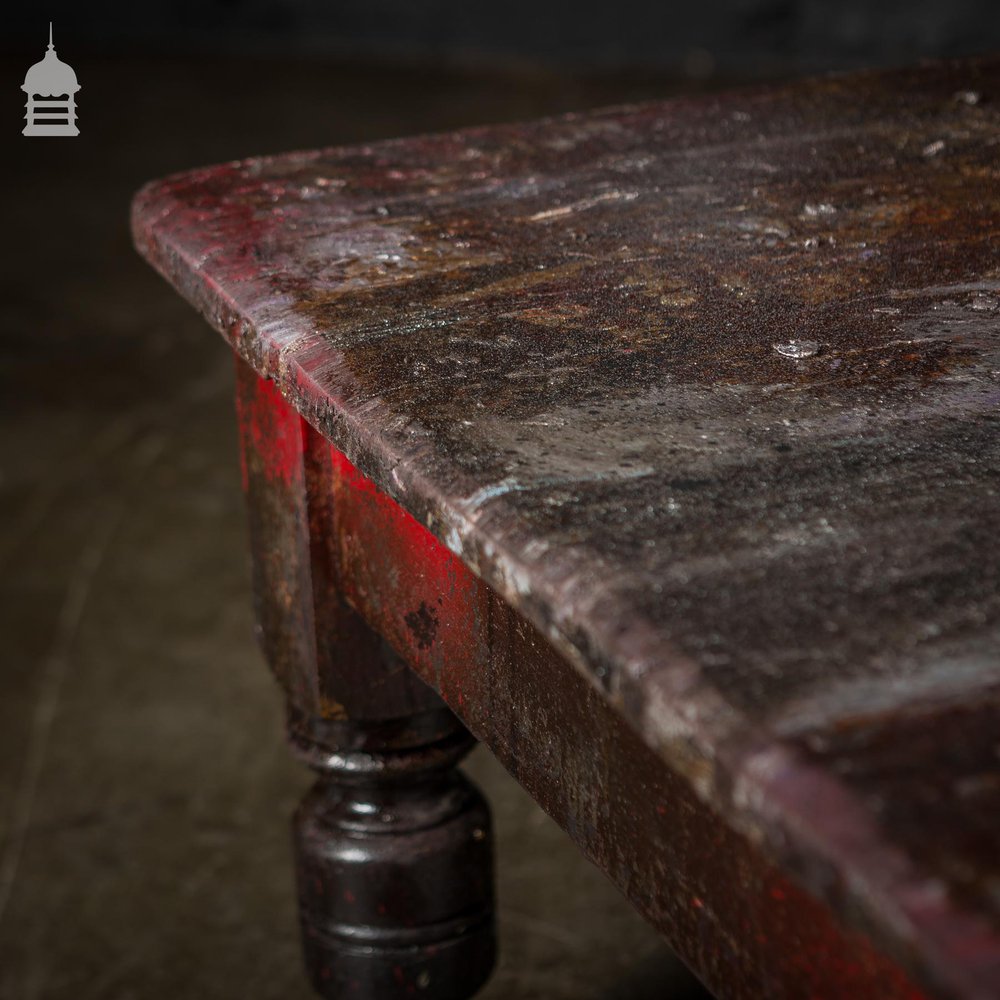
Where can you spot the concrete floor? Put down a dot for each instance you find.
(144, 786)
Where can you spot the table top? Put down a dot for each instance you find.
(708, 390)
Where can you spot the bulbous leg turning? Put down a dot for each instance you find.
(393, 846)
(394, 860)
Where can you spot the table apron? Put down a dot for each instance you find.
(324, 538)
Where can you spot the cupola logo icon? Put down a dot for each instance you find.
(51, 88)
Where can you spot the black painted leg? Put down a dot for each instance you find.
(393, 845)
(394, 860)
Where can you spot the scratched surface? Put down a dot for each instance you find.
(564, 346)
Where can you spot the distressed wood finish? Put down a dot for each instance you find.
(393, 845)
(772, 579)
(747, 928)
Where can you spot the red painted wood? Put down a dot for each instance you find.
(562, 347)
(393, 846)
(745, 927)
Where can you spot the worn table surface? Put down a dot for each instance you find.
(556, 344)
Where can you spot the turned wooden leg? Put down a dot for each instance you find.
(393, 844)
(394, 860)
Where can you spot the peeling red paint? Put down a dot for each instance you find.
(377, 534)
(275, 430)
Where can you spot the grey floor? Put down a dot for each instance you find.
(144, 786)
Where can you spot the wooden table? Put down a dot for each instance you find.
(659, 445)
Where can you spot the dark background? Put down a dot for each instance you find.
(732, 37)
(144, 786)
